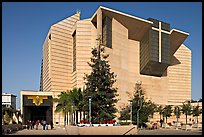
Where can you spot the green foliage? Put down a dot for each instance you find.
(147, 107)
(167, 111)
(6, 118)
(177, 111)
(64, 102)
(124, 123)
(160, 110)
(76, 97)
(68, 99)
(196, 111)
(186, 108)
(99, 86)
(10, 111)
(125, 113)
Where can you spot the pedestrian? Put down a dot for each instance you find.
(161, 121)
(44, 124)
(51, 124)
(28, 125)
(36, 124)
(33, 124)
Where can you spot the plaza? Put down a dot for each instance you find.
(73, 130)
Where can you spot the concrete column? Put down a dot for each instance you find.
(68, 118)
(99, 21)
(78, 117)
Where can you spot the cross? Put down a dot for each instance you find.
(160, 31)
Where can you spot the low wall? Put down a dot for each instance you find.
(108, 130)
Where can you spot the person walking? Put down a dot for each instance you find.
(46, 127)
(44, 124)
(28, 125)
(161, 122)
(33, 124)
(51, 124)
(36, 124)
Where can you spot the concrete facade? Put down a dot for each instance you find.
(9, 100)
(67, 49)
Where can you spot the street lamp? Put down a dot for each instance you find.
(72, 114)
(64, 116)
(130, 111)
(90, 109)
(177, 118)
(140, 105)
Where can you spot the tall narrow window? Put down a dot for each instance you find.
(107, 32)
(74, 51)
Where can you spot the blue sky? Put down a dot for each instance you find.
(26, 24)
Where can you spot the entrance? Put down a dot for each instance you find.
(33, 111)
(38, 113)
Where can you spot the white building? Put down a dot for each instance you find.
(9, 100)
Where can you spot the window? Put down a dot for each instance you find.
(107, 32)
(74, 51)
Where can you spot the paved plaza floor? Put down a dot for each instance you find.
(170, 132)
(72, 130)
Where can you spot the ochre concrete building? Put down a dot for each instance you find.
(146, 50)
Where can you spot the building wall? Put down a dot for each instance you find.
(57, 55)
(85, 41)
(60, 55)
(9, 100)
(179, 74)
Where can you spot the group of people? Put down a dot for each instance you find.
(30, 124)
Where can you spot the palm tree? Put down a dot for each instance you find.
(167, 111)
(63, 104)
(186, 108)
(177, 112)
(196, 112)
(77, 98)
(160, 110)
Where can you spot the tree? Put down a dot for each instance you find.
(186, 108)
(177, 111)
(147, 107)
(125, 113)
(76, 96)
(64, 104)
(160, 110)
(167, 111)
(6, 118)
(196, 112)
(99, 85)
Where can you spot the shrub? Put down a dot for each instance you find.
(124, 123)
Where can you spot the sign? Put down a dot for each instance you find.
(37, 100)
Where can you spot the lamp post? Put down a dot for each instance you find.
(72, 114)
(140, 105)
(177, 118)
(130, 111)
(90, 109)
(64, 116)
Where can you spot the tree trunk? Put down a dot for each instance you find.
(67, 118)
(77, 116)
(80, 116)
(84, 115)
(64, 118)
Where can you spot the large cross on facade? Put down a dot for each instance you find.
(160, 38)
